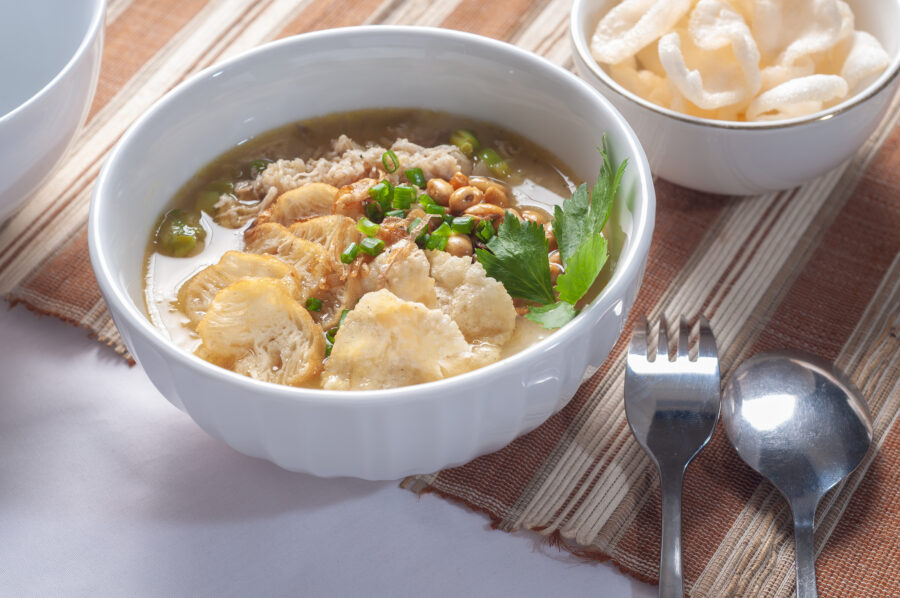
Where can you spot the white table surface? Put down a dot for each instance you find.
(108, 490)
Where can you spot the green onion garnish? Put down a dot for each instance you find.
(416, 177)
(422, 240)
(313, 304)
(221, 187)
(382, 193)
(463, 225)
(206, 201)
(260, 165)
(374, 212)
(438, 239)
(436, 242)
(329, 345)
(404, 195)
(413, 225)
(371, 245)
(390, 160)
(484, 231)
(435, 209)
(367, 227)
(349, 254)
(494, 162)
(465, 140)
(425, 200)
(396, 214)
(344, 313)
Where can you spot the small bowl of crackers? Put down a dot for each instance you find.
(743, 97)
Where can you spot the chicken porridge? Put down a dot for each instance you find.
(378, 249)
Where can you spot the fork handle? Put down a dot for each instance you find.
(670, 578)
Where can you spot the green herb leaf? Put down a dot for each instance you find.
(604, 190)
(583, 215)
(552, 316)
(571, 224)
(518, 259)
(584, 266)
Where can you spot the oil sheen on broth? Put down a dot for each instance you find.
(537, 181)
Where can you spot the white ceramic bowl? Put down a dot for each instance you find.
(372, 434)
(50, 55)
(748, 158)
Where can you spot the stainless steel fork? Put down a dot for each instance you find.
(672, 408)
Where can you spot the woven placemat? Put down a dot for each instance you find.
(816, 268)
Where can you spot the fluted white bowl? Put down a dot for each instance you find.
(745, 158)
(50, 55)
(368, 434)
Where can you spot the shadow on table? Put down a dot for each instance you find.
(199, 479)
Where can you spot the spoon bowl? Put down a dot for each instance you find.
(804, 426)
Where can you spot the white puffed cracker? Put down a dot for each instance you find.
(633, 24)
(866, 59)
(785, 100)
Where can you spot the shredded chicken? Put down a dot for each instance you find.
(346, 163)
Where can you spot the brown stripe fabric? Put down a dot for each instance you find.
(129, 44)
(816, 268)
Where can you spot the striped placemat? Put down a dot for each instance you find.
(816, 268)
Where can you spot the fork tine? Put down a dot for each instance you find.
(707, 342)
(638, 346)
(683, 332)
(662, 352)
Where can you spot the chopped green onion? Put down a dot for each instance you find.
(371, 245)
(425, 200)
(494, 162)
(260, 165)
(221, 187)
(404, 195)
(331, 333)
(374, 212)
(443, 230)
(382, 192)
(465, 140)
(484, 231)
(422, 240)
(367, 227)
(206, 201)
(390, 160)
(396, 214)
(435, 209)
(313, 304)
(438, 239)
(350, 253)
(329, 339)
(463, 225)
(422, 235)
(416, 177)
(448, 218)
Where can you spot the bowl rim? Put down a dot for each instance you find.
(583, 54)
(95, 25)
(630, 264)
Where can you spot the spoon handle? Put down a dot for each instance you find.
(670, 579)
(805, 550)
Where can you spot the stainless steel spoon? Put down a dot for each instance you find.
(802, 424)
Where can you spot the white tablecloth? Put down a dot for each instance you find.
(108, 490)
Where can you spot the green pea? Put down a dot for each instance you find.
(179, 234)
